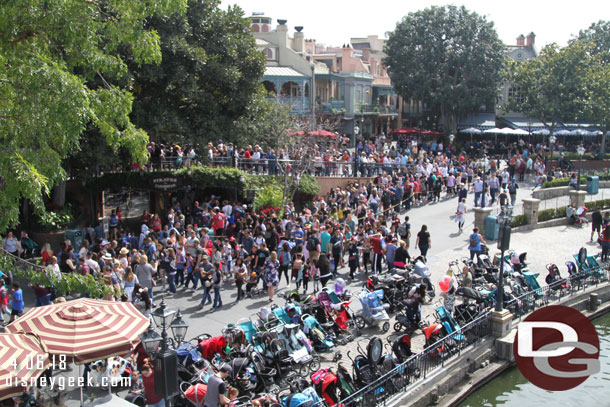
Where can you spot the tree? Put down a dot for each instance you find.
(208, 78)
(599, 35)
(597, 106)
(552, 87)
(447, 57)
(60, 63)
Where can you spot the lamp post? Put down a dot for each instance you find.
(504, 219)
(158, 347)
(484, 181)
(552, 140)
(581, 151)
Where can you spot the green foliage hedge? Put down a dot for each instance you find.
(519, 220)
(564, 182)
(203, 177)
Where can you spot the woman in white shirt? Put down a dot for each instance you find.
(460, 214)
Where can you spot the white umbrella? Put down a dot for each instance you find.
(596, 133)
(580, 132)
(543, 132)
(493, 131)
(506, 130)
(520, 132)
(471, 130)
(563, 133)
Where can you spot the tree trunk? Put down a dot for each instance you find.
(449, 121)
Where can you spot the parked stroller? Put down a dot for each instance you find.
(373, 310)
(409, 320)
(321, 340)
(554, 280)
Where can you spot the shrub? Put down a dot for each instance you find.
(268, 197)
(519, 220)
(546, 214)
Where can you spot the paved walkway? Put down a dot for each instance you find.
(542, 245)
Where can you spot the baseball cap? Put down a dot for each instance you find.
(226, 368)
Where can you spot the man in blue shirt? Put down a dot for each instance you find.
(17, 298)
(324, 240)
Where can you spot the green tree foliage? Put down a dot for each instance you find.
(599, 35)
(60, 63)
(208, 77)
(447, 57)
(552, 86)
(597, 102)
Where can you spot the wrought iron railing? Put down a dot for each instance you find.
(417, 368)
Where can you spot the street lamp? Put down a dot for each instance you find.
(504, 220)
(581, 151)
(179, 328)
(552, 140)
(158, 347)
(484, 181)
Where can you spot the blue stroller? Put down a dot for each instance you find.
(373, 310)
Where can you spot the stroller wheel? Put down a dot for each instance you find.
(397, 326)
(385, 327)
(314, 365)
(360, 324)
(303, 369)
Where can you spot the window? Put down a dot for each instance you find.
(255, 28)
(515, 95)
(269, 53)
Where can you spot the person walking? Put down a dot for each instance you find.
(512, 191)
(474, 244)
(352, 257)
(144, 273)
(423, 241)
(596, 223)
(272, 279)
(285, 263)
(325, 270)
(606, 243)
(460, 214)
(216, 281)
(240, 272)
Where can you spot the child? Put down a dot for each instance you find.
(17, 301)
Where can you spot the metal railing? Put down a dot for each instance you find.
(419, 366)
(411, 373)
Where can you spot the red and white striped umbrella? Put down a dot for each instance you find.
(23, 358)
(84, 329)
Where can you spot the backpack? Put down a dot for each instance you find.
(473, 240)
(402, 231)
(311, 244)
(512, 188)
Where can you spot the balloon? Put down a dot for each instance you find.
(445, 284)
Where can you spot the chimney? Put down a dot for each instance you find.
(520, 40)
(282, 30)
(298, 43)
(530, 39)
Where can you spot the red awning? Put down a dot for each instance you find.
(431, 133)
(297, 133)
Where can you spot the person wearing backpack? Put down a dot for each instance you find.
(474, 244)
(313, 245)
(512, 191)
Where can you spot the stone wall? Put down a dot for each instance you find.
(326, 183)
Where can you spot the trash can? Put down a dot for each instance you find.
(492, 228)
(592, 184)
(76, 237)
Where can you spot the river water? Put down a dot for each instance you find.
(511, 389)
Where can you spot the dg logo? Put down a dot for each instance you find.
(556, 348)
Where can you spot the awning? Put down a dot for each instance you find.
(526, 123)
(481, 121)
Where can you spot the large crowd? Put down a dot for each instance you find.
(212, 244)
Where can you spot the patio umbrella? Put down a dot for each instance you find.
(84, 330)
(563, 132)
(495, 130)
(405, 130)
(296, 133)
(22, 359)
(580, 132)
(519, 132)
(471, 130)
(542, 132)
(322, 133)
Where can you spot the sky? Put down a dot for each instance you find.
(334, 22)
